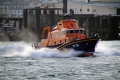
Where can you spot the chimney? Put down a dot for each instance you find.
(64, 6)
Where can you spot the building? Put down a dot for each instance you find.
(34, 3)
(98, 7)
(15, 8)
(4, 11)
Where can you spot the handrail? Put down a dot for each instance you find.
(46, 28)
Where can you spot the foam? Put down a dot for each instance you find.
(22, 49)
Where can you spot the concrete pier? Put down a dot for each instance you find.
(107, 26)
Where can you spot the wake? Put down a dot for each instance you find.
(22, 49)
(108, 48)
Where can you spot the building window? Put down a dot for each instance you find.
(24, 6)
(10, 6)
(21, 6)
(87, 9)
(14, 6)
(80, 10)
(94, 10)
(8, 2)
(17, 6)
(5, 2)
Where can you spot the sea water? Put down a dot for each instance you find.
(19, 61)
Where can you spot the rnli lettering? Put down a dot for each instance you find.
(75, 45)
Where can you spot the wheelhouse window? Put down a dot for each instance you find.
(75, 31)
(71, 31)
(82, 31)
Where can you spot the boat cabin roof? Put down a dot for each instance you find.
(68, 23)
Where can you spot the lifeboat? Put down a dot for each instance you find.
(68, 35)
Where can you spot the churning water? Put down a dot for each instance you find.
(19, 61)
